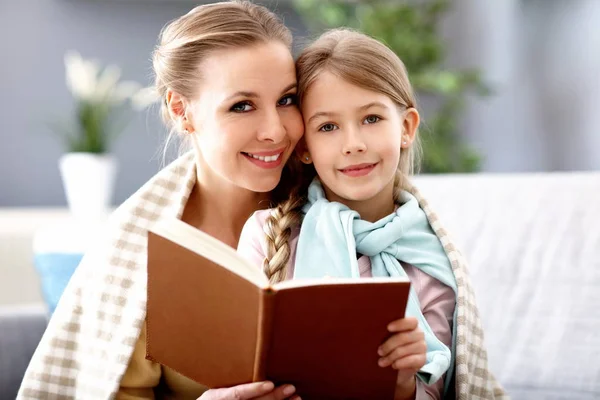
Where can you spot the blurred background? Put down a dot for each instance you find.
(518, 81)
(505, 87)
(509, 91)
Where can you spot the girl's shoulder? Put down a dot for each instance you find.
(260, 217)
(255, 226)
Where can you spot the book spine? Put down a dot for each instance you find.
(265, 329)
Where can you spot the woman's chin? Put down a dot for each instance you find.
(263, 185)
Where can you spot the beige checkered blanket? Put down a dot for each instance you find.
(90, 338)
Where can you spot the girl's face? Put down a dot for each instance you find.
(353, 137)
(244, 117)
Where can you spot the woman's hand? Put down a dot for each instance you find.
(405, 351)
(252, 391)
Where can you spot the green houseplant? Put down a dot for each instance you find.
(101, 104)
(410, 29)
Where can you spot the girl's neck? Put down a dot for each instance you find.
(222, 208)
(373, 209)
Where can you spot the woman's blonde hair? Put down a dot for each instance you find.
(188, 40)
(361, 61)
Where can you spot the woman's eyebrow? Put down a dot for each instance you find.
(242, 93)
(290, 87)
(253, 95)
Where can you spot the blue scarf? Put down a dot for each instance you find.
(331, 234)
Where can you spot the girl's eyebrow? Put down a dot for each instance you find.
(330, 114)
(372, 104)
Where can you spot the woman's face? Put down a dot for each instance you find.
(244, 116)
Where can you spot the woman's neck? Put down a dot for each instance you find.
(222, 208)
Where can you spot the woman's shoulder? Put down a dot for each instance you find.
(163, 190)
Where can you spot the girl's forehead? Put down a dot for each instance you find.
(330, 90)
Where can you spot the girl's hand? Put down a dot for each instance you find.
(404, 351)
(252, 391)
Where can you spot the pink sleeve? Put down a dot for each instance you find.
(252, 239)
(437, 304)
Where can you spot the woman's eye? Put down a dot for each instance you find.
(242, 106)
(372, 119)
(287, 100)
(327, 128)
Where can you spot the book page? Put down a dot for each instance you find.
(336, 281)
(207, 246)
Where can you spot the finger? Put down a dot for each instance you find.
(400, 339)
(403, 324)
(413, 362)
(416, 348)
(280, 393)
(240, 392)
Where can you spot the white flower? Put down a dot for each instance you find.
(99, 92)
(124, 91)
(144, 97)
(80, 76)
(106, 82)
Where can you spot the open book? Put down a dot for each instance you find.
(213, 317)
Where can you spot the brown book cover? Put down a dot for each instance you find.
(214, 317)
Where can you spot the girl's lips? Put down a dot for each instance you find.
(358, 169)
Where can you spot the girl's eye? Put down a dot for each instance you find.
(327, 128)
(242, 106)
(372, 119)
(287, 100)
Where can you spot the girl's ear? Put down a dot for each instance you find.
(409, 127)
(302, 152)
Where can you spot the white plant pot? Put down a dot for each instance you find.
(89, 181)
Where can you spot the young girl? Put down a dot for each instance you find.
(361, 217)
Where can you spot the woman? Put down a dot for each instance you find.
(228, 83)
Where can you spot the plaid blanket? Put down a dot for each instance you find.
(90, 338)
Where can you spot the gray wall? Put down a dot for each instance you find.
(35, 35)
(541, 57)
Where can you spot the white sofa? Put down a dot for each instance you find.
(533, 245)
(19, 283)
(533, 242)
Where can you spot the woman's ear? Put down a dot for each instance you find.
(302, 152)
(410, 124)
(178, 110)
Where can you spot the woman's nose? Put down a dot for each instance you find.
(272, 130)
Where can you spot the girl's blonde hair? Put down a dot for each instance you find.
(361, 61)
(188, 40)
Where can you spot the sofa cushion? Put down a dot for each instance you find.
(21, 328)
